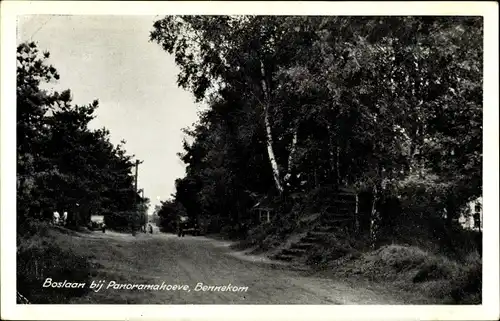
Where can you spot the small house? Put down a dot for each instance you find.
(264, 210)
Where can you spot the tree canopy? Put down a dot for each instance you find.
(383, 104)
(62, 164)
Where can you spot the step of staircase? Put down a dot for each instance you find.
(311, 239)
(284, 257)
(325, 228)
(336, 216)
(343, 201)
(294, 252)
(327, 220)
(303, 245)
(339, 209)
(318, 235)
(337, 212)
(335, 220)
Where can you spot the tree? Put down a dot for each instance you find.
(225, 52)
(168, 214)
(376, 103)
(62, 164)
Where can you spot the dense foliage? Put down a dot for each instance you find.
(387, 105)
(62, 165)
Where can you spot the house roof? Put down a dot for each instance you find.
(264, 204)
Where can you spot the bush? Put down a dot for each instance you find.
(40, 257)
(30, 228)
(467, 286)
(334, 248)
(228, 231)
(408, 263)
(120, 221)
(258, 236)
(432, 271)
(410, 268)
(271, 241)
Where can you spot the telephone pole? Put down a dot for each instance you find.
(137, 163)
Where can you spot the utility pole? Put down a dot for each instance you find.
(137, 163)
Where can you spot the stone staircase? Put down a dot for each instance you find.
(340, 215)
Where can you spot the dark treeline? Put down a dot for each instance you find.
(388, 106)
(62, 165)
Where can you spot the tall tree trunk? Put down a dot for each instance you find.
(270, 151)
(337, 164)
(291, 156)
(374, 218)
(333, 153)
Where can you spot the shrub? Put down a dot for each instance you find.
(408, 263)
(259, 236)
(40, 257)
(334, 248)
(467, 286)
(432, 271)
(228, 231)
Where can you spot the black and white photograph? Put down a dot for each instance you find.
(250, 159)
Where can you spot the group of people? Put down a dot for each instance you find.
(58, 219)
(147, 229)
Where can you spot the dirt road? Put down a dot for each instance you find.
(192, 263)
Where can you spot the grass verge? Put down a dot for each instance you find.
(41, 256)
(408, 269)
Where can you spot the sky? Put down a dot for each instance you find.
(110, 58)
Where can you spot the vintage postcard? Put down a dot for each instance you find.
(249, 160)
